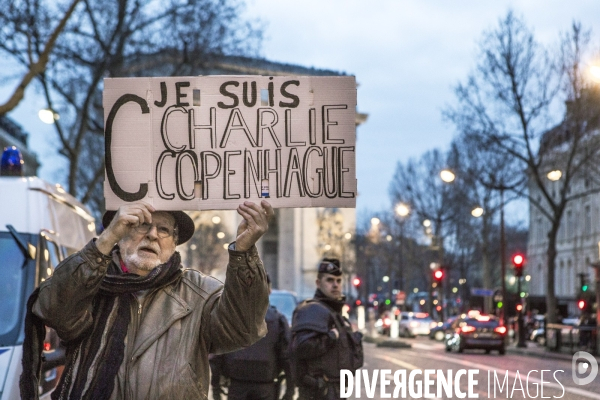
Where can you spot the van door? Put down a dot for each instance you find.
(49, 256)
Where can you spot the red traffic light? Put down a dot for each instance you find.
(519, 307)
(357, 302)
(581, 304)
(356, 282)
(438, 275)
(518, 260)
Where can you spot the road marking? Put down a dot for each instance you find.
(475, 365)
(435, 346)
(401, 363)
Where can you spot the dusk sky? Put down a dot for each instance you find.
(406, 55)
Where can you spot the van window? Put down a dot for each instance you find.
(50, 256)
(12, 276)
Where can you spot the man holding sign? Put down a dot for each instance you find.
(136, 324)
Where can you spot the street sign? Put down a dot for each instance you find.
(482, 292)
(400, 298)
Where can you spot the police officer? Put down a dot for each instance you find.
(322, 339)
(254, 372)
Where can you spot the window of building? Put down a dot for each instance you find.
(569, 278)
(587, 223)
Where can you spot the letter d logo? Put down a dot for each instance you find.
(582, 368)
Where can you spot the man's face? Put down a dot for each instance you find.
(142, 250)
(331, 286)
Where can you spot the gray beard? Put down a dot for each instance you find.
(137, 262)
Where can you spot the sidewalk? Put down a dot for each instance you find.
(534, 350)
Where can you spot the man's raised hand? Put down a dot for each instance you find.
(254, 225)
(128, 216)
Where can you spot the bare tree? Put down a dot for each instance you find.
(116, 38)
(30, 37)
(504, 107)
(418, 184)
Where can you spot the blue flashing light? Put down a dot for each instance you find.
(11, 163)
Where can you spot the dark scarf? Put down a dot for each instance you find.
(336, 305)
(93, 360)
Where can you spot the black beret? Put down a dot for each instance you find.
(330, 266)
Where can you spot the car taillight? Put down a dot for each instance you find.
(467, 329)
(500, 329)
(47, 346)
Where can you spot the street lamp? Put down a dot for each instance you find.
(375, 221)
(48, 116)
(477, 212)
(554, 175)
(595, 73)
(447, 175)
(402, 210)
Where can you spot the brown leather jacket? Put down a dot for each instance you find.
(173, 329)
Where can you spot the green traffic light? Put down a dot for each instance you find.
(584, 288)
(500, 304)
(388, 302)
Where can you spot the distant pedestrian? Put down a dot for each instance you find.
(322, 339)
(256, 372)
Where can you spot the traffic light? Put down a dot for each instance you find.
(583, 282)
(356, 282)
(582, 304)
(518, 261)
(519, 307)
(438, 275)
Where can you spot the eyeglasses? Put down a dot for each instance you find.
(162, 231)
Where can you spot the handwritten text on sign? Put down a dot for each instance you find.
(193, 143)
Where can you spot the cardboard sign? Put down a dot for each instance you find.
(211, 142)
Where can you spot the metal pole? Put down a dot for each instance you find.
(521, 337)
(503, 258)
(597, 270)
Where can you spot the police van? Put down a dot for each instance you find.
(40, 225)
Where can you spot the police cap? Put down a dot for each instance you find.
(330, 266)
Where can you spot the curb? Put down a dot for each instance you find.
(548, 355)
(386, 342)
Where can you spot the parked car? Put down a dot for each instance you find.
(412, 324)
(285, 302)
(538, 333)
(438, 332)
(482, 332)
